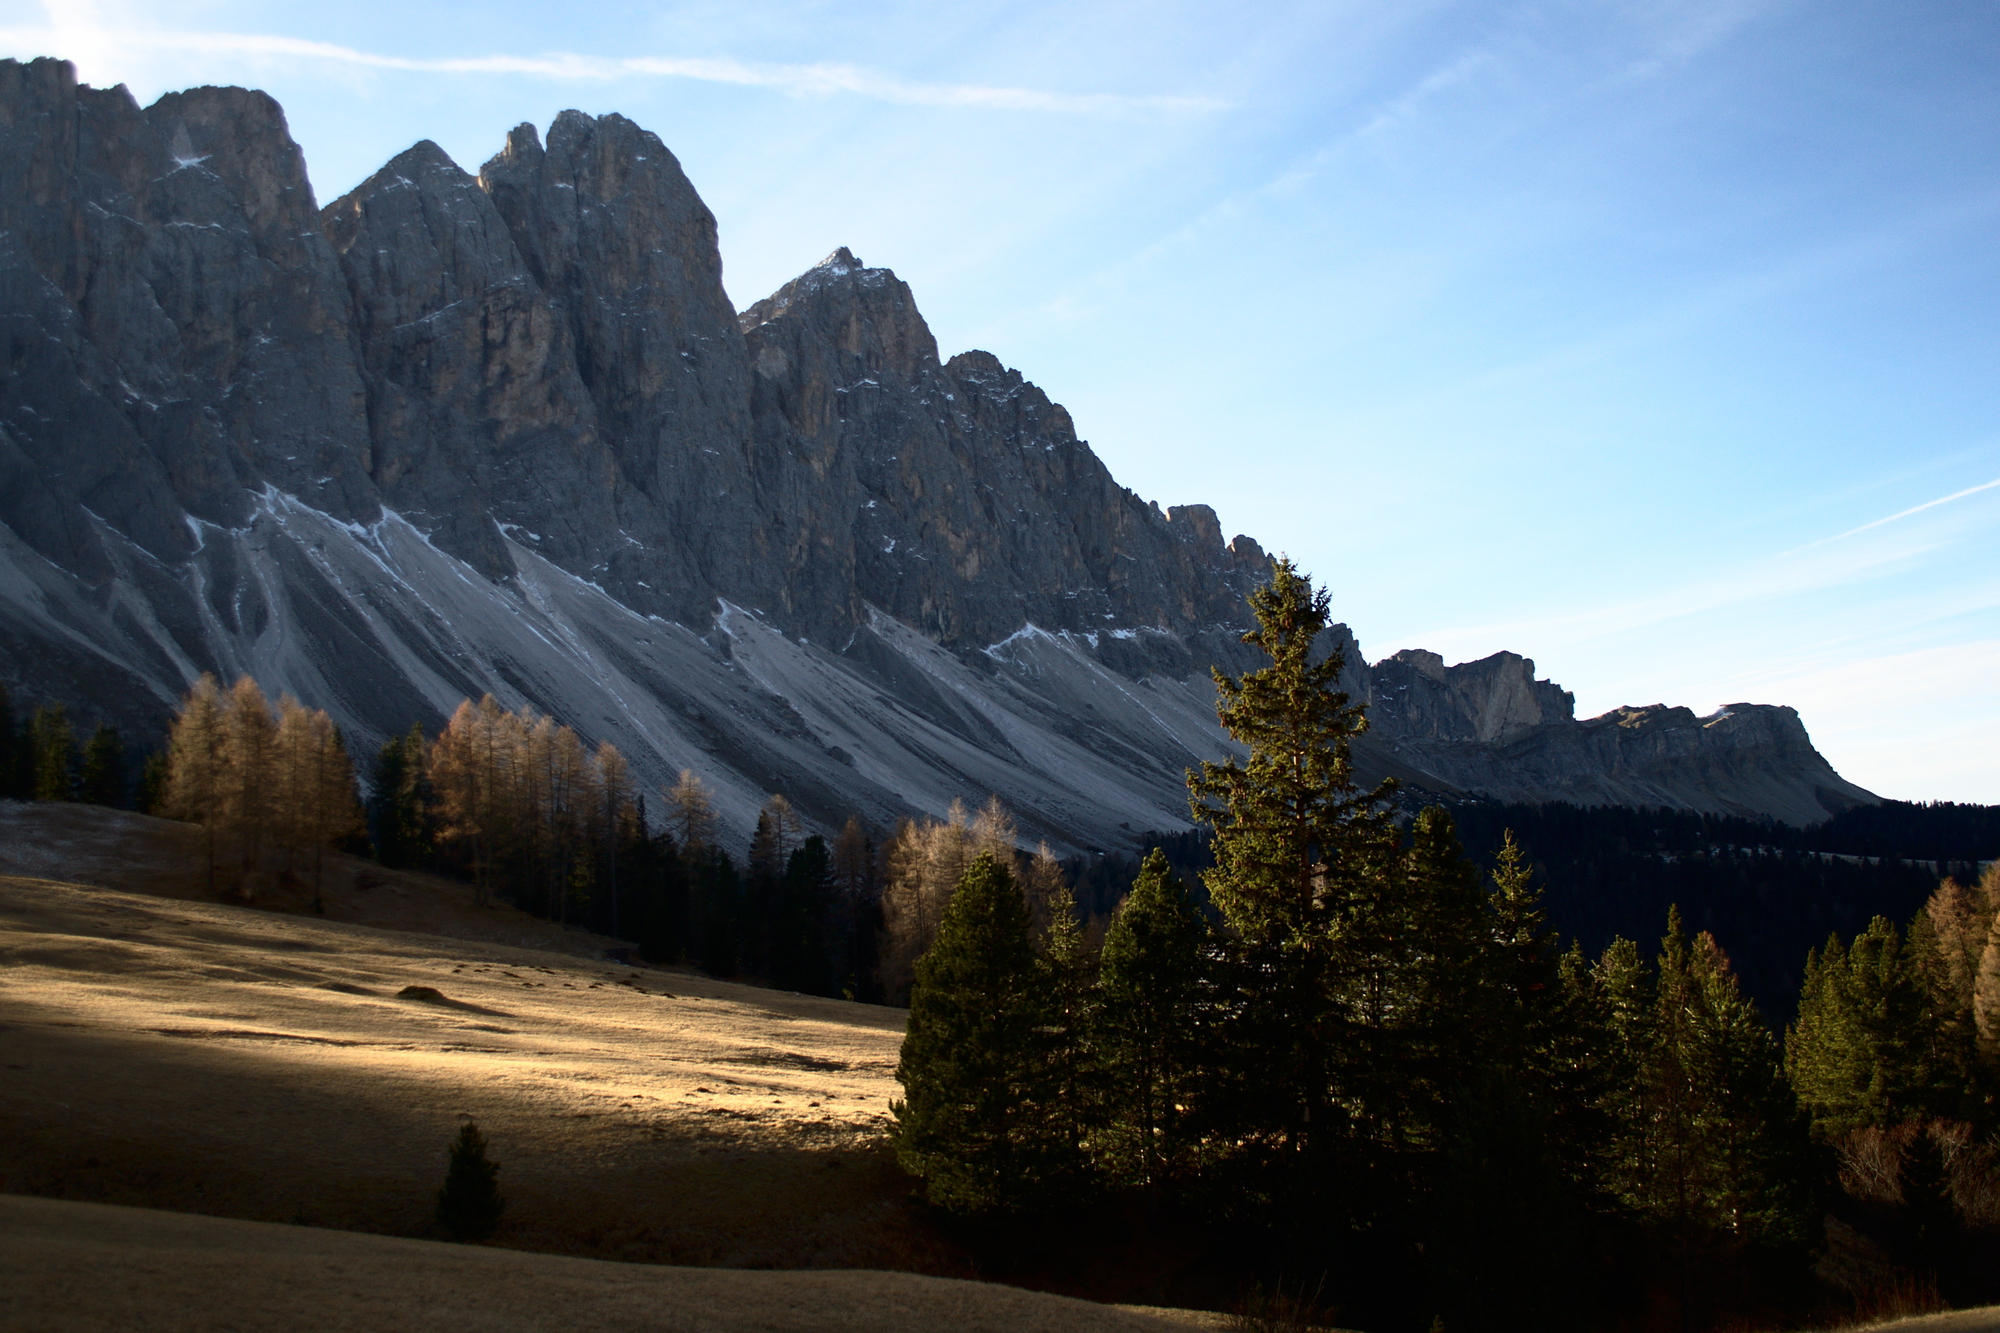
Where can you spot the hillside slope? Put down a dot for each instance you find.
(220, 1059)
(84, 1268)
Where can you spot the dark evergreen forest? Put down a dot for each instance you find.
(1768, 892)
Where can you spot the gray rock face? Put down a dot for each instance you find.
(507, 433)
(1490, 727)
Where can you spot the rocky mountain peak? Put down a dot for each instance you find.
(868, 313)
(241, 136)
(1496, 698)
(455, 434)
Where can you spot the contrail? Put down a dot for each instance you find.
(798, 80)
(1915, 509)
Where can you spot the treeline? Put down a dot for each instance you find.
(520, 807)
(1361, 1061)
(41, 759)
(1911, 831)
(1769, 892)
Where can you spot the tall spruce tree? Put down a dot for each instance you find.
(1154, 1016)
(101, 779)
(1523, 1136)
(801, 954)
(400, 804)
(715, 892)
(1547, 1023)
(151, 796)
(968, 1123)
(1303, 859)
(1072, 1091)
(857, 883)
(53, 744)
(1428, 993)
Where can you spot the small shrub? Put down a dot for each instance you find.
(1262, 1311)
(469, 1204)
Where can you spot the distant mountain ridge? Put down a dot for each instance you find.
(507, 433)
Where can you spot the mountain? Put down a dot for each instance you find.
(454, 434)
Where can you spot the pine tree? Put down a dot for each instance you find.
(966, 1124)
(1861, 1053)
(763, 914)
(1525, 956)
(1431, 1004)
(53, 744)
(101, 780)
(1296, 840)
(469, 1204)
(400, 804)
(856, 880)
(716, 892)
(1071, 1089)
(657, 885)
(1153, 1022)
(1547, 1021)
(804, 905)
(1712, 1143)
(1302, 878)
(151, 798)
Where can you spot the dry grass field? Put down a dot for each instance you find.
(116, 849)
(87, 1268)
(166, 1052)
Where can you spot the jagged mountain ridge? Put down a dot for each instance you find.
(453, 434)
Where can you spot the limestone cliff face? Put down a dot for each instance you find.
(178, 331)
(957, 497)
(506, 432)
(1489, 727)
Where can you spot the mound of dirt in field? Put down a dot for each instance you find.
(85, 1267)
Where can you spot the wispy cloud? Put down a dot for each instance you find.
(1815, 567)
(1913, 509)
(814, 80)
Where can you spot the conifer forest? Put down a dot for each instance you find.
(1376, 1059)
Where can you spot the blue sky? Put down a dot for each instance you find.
(1657, 341)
